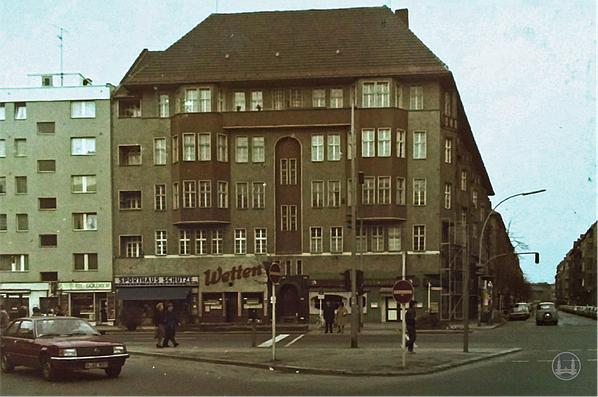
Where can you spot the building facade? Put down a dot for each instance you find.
(233, 148)
(55, 211)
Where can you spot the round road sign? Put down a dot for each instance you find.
(402, 291)
(274, 273)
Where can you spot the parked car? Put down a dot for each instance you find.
(547, 313)
(519, 312)
(57, 344)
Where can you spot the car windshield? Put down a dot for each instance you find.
(63, 327)
(546, 306)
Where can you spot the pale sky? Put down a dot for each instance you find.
(525, 70)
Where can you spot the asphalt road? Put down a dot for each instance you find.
(526, 373)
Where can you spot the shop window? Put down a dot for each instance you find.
(212, 305)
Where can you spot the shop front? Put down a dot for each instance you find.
(93, 301)
(15, 296)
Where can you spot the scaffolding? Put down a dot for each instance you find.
(453, 258)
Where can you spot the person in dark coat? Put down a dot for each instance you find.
(328, 316)
(410, 320)
(159, 324)
(170, 323)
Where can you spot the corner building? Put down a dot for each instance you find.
(232, 148)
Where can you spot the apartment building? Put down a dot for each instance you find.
(233, 148)
(55, 197)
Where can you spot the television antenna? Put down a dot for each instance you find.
(60, 36)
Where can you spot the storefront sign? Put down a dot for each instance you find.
(144, 281)
(236, 273)
(85, 286)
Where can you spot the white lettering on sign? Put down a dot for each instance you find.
(156, 280)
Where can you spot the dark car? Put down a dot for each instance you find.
(547, 313)
(57, 344)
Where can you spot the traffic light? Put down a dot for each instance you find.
(537, 256)
(347, 280)
(359, 279)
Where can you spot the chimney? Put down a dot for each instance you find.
(403, 15)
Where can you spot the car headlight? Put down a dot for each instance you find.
(71, 352)
(118, 349)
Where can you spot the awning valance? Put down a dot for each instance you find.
(152, 293)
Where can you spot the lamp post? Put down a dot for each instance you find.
(482, 239)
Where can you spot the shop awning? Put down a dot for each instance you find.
(153, 293)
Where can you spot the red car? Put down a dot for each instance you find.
(57, 344)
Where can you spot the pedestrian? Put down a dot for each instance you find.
(23, 311)
(170, 323)
(410, 319)
(58, 311)
(328, 316)
(341, 317)
(37, 311)
(4, 317)
(159, 323)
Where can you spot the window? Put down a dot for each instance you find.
(334, 147)
(3, 222)
(220, 102)
(288, 217)
(474, 198)
(160, 197)
(2, 112)
(14, 263)
(296, 101)
(163, 106)
(240, 241)
(368, 195)
(278, 99)
(175, 149)
(375, 94)
(317, 148)
(46, 127)
(400, 143)
(48, 240)
(83, 109)
(131, 246)
(205, 147)
(189, 194)
(130, 199)
(222, 148)
(86, 262)
(46, 165)
(222, 194)
(257, 102)
(242, 197)
(317, 194)
(417, 97)
(419, 144)
(336, 98)
(217, 242)
(242, 149)
(175, 196)
(184, 242)
(2, 148)
(336, 239)
(240, 101)
(129, 107)
(161, 242)
(129, 155)
(315, 246)
(383, 190)
(419, 192)
(367, 143)
(2, 185)
(83, 184)
(377, 238)
(350, 145)
(447, 103)
(20, 111)
(83, 146)
(319, 98)
(261, 246)
(159, 151)
(191, 101)
(448, 188)
(394, 238)
(401, 191)
(20, 147)
(399, 96)
(258, 150)
(22, 222)
(259, 194)
(201, 242)
(334, 193)
(463, 180)
(299, 267)
(205, 194)
(205, 100)
(288, 171)
(384, 142)
(419, 238)
(188, 147)
(448, 152)
(20, 184)
(85, 221)
(47, 203)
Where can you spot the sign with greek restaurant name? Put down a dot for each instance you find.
(145, 281)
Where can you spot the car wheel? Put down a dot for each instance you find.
(7, 366)
(49, 373)
(113, 372)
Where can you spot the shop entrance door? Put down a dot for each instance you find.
(289, 303)
(393, 312)
(231, 306)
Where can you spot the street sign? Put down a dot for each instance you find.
(402, 291)
(274, 273)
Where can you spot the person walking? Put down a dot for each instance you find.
(328, 316)
(159, 324)
(4, 317)
(170, 323)
(341, 318)
(410, 320)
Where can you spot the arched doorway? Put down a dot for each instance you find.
(289, 303)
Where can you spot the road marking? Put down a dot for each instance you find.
(574, 350)
(268, 343)
(552, 350)
(520, 361)
(294, 340)
(591, 359)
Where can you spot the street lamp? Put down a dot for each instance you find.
(482, 240)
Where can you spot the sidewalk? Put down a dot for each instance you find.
(330, 361)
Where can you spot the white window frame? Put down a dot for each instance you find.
(86, 183)
(464, 180)
(242, 195)
(448, 150)
(222, 148)
(376, 94)
(315, 245)
(278, 99)
(448, 192)
(86, 262)
(160, 151)
(384, 190)
(377, 238)
(258, 149)
(400, 198)
(164, 106)
(175, 149)
(204, 146)
(419, 192)
(161, 242)
(2, 148)
(394, 238)
(336, 100)
(184, 242)
(240, 241)
(241, 149)
(368, 142)
(317, 194)
(88, 221)
(239, 101)
(368, 190)
(175, 196)
(201, 242)
(319, 98)
(384, 139)
(317, 148)
(189, 194)
(257, 100)
(417, 97)
(401, 143)
(336, 239)
(258, 194)
(334, 147)
(222, 194)
(260, 241)
(205, 194)
(419, 237)
(87, 146)
(295, 98)
(83, 109)
(419, 145)
(160, 197)
(334, 193)
(217, 242)
(189, 147)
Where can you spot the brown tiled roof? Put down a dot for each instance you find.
(349, 42)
